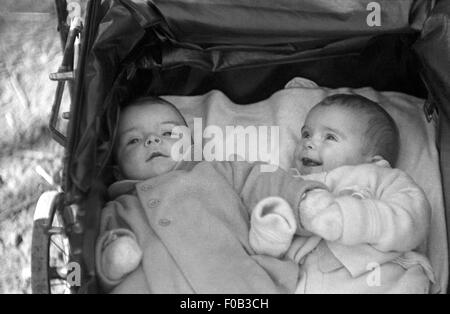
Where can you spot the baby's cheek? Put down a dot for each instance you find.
(130, 163)
(298, 150)
(125, 160)
(333, 158)
(297, 157)
(176, 146)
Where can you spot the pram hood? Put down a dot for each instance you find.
(248, 49)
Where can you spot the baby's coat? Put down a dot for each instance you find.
(193, 226)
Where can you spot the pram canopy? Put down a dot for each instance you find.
(248, 49)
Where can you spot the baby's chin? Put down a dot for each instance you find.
(162, 166)
(310, 170)
(153, 169)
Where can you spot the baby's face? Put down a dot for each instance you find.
(144, 140)
(332, 136)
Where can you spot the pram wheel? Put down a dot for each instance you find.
(50, 245)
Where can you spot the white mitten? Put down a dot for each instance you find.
(121, 254)
(321, 215)
(273, 225)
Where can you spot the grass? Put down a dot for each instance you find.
(29, 51)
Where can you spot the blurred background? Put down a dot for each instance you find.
(29, 50)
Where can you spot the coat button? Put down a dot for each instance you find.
(164, 222)
(146, 188)
(153, 203)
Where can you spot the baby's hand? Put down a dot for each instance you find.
(321, 215)
(121, 255)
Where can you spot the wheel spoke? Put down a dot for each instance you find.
(59, 248)
(51, 248)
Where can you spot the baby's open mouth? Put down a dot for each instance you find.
(155, 155)
(308, 162)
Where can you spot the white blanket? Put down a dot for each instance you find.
(288, 108)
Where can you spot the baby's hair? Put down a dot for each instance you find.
(382, 135)
(153, 100)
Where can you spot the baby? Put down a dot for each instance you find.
(178, 226)
(140, 129)
(370, 216)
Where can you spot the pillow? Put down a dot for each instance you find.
(287, 109)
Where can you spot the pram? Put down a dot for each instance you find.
(248, 49)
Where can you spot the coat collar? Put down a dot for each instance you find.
(128, 186)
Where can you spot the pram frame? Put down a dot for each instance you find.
(92, 18)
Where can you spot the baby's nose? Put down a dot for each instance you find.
(153, 139)
(308, 144)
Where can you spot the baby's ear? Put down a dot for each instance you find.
(379, 160)
(375, 159)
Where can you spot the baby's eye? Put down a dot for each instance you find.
(330, 137)
(305, 134)
(167, 133)
(133, 141)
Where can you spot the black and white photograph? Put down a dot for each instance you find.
(224, 151)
